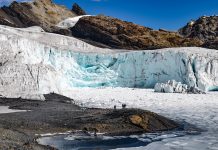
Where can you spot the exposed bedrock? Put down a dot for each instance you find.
(114, 33)
(205, 29)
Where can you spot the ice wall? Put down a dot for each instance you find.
(143, 69)
(33, 63)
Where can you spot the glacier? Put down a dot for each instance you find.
(33, 63)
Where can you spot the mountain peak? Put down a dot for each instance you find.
(78, 10)
(44, 1)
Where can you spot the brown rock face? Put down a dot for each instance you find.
(204, 29)
(78, 10)
(115, 33)
(42, 13)
(150, 122)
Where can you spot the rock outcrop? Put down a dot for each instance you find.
(176, 87)
(205, 29)
(57, 114)
(43, 13)
(78, 10)
(211, 44)
(149, 121)
(115, 33)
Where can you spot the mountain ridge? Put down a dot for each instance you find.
(108, 32)
(118, 34)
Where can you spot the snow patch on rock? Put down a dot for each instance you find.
(70, 22)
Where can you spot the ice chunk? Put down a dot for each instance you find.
(171, 87)
(176, 87)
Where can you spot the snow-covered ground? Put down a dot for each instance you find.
(6, 110)
(200, 110)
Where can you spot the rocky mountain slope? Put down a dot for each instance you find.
(43, 13)
(205, 29)
(115, 33)
(100, 31)
(108, 32)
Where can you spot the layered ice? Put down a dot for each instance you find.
(33, 62)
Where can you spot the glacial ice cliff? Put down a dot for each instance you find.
(33, 62)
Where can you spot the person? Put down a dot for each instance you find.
(95, 132)
(123, 106)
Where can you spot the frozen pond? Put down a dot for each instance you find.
(83, 141)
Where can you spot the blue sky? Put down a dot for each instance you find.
(166, 14)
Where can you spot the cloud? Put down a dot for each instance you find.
(7, 2)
